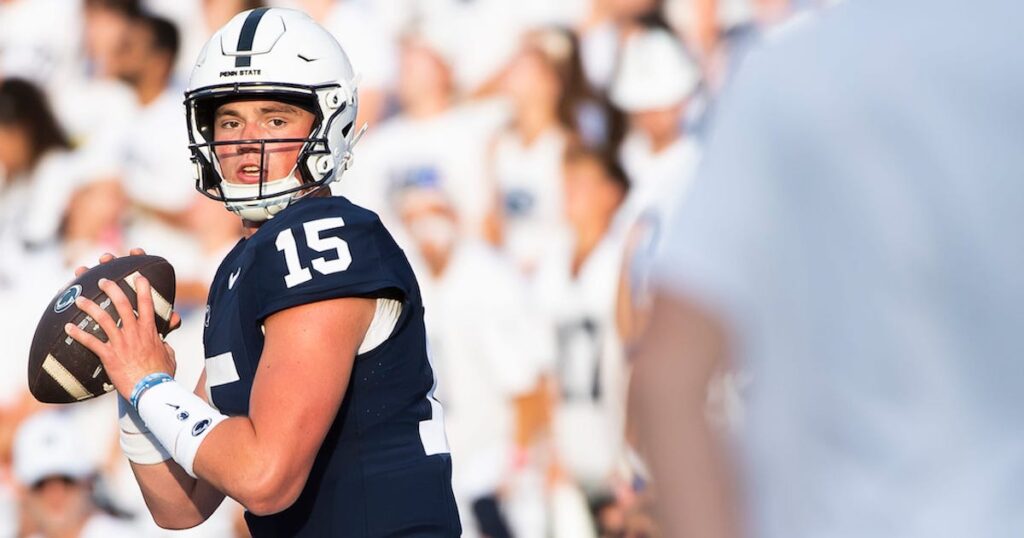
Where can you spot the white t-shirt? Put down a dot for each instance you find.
(101, 525)
(366, 40)
(483, 346)
(599, 52)
(656, 179)
(31, 260)
(857, 227)
(94, 113)
(447, 151)
(39, 39)
(156, 172)
(531, 187)
(588, 364)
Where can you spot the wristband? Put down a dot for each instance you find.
(147, 383)
(178, 419)
(137, 443)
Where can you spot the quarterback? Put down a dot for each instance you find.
(315, 410)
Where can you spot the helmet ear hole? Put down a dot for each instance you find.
(333, 99)
(324, 164)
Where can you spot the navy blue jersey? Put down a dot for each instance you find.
(384, 468)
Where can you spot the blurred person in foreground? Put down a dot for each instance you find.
(56, 480)
(853, 242)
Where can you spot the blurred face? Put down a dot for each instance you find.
(58, 504)
(104, 31)
(626, 9)
(254, 120)
(530, 79)
(659, 124)
(15, 149)
(423, 74)
(432, 225)
(134, 54)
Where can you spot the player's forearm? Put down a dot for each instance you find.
(248, 468)
(174, 499)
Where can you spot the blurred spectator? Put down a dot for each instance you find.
(575, 287)
(217, 13)
(546, 86)
(37, 176)
(431, 143)
(605, 30)
(39, 39)
(654, 84)
(483, 348)
(371, 49)
(479, 37)
(854, 246)
(56, 482)
(154, 168)
(107, 24)
(88, 98)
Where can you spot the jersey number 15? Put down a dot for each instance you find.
(297, 274)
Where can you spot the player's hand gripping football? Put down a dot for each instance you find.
(134, 348)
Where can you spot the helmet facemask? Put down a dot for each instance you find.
(319, 162)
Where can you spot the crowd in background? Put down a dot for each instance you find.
(524, 154)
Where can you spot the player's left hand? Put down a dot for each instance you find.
(133, 350)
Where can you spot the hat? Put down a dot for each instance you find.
(654, 73)
(46, 445)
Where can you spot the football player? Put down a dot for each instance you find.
(316, 408)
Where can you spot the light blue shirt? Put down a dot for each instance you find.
(858, 225)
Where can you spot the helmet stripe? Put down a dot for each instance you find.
(248, 35)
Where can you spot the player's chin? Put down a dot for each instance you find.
(243, 179)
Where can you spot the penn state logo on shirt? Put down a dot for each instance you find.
(519, 202)
(67, 298)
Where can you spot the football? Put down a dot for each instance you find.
(60, 370)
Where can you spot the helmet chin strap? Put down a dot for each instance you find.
(261, 210)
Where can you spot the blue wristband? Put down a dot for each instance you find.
(147, 383)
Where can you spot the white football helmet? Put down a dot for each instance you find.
(281, 55)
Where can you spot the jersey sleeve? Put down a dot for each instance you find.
(326, 249)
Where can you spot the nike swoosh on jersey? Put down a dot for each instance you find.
(233, 277)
